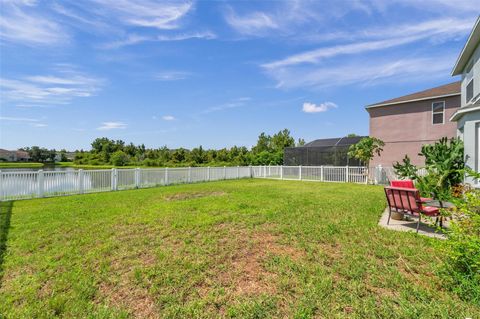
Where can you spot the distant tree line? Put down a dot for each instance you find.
(267, 151)
(43, 155)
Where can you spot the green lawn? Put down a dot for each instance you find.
(20, 165)
(246, 249)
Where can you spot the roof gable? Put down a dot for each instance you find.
(467, 51)
(450, 89)
(329, 142)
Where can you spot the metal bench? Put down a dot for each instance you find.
(408, 201)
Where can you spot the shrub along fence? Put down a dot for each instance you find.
(19, 184)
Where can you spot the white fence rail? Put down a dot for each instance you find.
(349, 174)
(16, 185)
(383, 175)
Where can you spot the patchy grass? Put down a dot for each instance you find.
(244, 249)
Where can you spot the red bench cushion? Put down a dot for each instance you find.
(402, 183)
(430, 211)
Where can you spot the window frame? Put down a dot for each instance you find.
(437, 112)
(466, 91)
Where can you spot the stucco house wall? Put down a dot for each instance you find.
(469, 130)
(405, 127)
(473, 74)
(468, 116)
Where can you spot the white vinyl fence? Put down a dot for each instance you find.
(348, 174)
(16, 185)
(383, 175)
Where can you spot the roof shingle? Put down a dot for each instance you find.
(447, 89)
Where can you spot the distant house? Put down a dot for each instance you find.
(14, 156)
(6, 155)
(406, 123)
(22, 156)
(329, 151)
(467, 117)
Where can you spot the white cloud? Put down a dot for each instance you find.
(164, 15)
(432, 30)
(364, 72)
(60, 87)
(20, 24)
(318, 108)
(315, 56)
(235, 103)
(168, 118)
(172, 75)
(254, 23)
(31, 121)
(207, 35)
(111, 126)
(133, 39)
(18, 119)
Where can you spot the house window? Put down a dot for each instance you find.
(438, 112)
(469, 91)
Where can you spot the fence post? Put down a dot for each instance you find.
(300, 172)
(269, 170)
(238, 172)
(321, 173)
(378, 173)
(250, 169)
(137, 177)
(281, 172)
(41, 181)
(166, 175)
(114, 179)
(189, 179)
(264, 171)
(1, 185)
(224, 172)
(347, 179)
(208, 173)
(81, 178)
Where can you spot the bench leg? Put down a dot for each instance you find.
(389, 214)
(418, 224)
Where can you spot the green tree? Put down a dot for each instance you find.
(281, 140)
(263, 143)
(63, 155)
(179, 155)
(444, 165)
(198, 155)
(38, 154)
(406, 169)
(366, 149)
(119, 158)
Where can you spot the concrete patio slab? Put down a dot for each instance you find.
(427, 227)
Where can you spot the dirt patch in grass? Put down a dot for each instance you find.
(244, 266)
(190, 195)
(135, 300)
(124, 293)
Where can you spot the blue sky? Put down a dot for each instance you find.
(214, 73)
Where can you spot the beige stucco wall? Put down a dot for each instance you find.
(406, 127)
